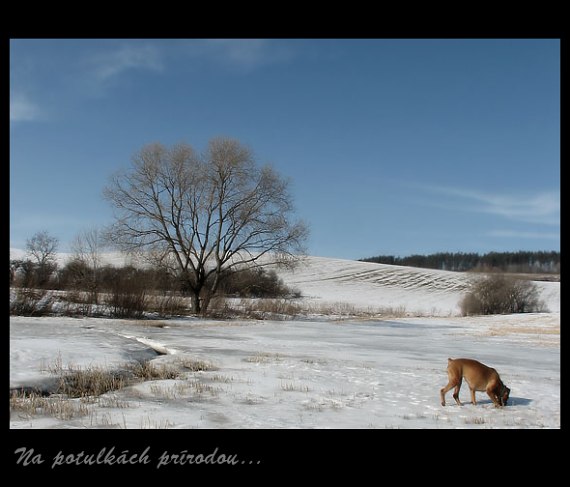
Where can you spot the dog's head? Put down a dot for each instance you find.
(504, 397)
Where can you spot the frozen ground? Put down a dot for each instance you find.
(299, 374)
(307, 373)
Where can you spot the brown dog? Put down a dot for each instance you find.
(479, 377)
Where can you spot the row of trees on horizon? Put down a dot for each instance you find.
(518, 262)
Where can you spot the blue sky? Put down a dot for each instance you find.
(392, 146)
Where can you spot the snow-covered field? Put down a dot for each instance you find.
(307, 373)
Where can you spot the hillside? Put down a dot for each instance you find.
(425, 292)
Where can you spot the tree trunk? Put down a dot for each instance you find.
(195, 300)
(209, 293)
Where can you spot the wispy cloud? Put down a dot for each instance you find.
(541, 207)
(242, 54)
(23, 109)
(525, 235)
(111, 63)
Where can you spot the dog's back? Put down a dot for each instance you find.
(477, 375)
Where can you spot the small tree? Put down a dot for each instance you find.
(199, 215)
(87, 248)
(42, 247)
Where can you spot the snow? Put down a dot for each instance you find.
(309, 373)
(380, 287)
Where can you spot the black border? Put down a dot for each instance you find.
(287, 454)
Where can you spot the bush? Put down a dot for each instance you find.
(498, 294)
(254, 283)
(30, 302)
(128, 296)
(129, 302)
(167, 304)
(25, 273)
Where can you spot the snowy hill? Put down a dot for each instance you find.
(380, 286)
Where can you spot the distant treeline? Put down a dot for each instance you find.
(521, 261)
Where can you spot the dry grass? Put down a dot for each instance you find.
(201, 388)
(174, 391)
(90, 382)
(292, 387)
(151, 424)
(76, 389)
(78, 382)
(530, 330)
(257, 309)
(222, 378)
(263, 358)
(291, 308)
(196, 365)
(28, 405)
(181, 389)
(475, 420)
(148, 371)
(168, 304)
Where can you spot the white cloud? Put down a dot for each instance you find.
(22, 109)
(540, 207)
(244, 54)
(109, 64)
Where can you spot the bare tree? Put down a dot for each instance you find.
(42, 247)
(87, 248)
(202, 214)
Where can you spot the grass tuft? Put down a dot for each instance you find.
(149, 371)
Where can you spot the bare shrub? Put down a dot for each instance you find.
(31, 302)
(221, 309)
(254, 282)
(168, 304)
(77, 276)
(128, 297)
(259, 309)
(264, 309)
(128, 304)
(499, 294)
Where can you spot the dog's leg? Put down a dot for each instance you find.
(456, 392)
(491, 392)
(473, 400)
(451, 384)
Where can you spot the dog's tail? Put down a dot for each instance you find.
(449, 359)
